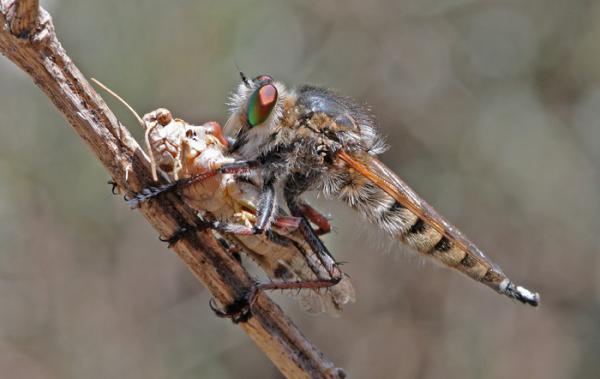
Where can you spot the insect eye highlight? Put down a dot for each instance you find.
(261, 104)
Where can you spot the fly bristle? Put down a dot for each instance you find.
(394, 218)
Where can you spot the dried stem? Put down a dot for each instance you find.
(25, 15)
(28, 39)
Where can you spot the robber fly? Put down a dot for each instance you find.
(181, 151)
(312, 139)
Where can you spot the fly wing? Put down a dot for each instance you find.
(383, 177)
(430, 233)
(287, 257)
(310, 267)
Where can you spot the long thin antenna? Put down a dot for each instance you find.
(141, 122)
(137, 116)
(242, 75)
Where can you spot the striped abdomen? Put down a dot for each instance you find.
(432, 237)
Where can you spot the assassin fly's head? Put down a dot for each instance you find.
(256, 106)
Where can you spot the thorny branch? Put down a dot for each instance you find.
(28, 39)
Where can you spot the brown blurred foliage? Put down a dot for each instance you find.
(492, 112)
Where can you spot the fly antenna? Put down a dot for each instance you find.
(244, 79)
(242, 75)
(140, 121)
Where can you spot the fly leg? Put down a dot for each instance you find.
(317, 246)
(266, 215)
(218, 226)
(266, 209)
(284, 222)
(240, 310)
(314, 216)
(186, 230)
(291, 192)
(237, 167)
(230, 247)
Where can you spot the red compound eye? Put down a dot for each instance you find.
(261, 104)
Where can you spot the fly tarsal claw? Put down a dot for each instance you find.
(115, 187)
(238, 311)
(177, 236)
(186, 230)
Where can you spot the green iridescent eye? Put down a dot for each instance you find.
(261, 104)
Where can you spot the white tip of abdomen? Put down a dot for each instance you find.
(520, 293)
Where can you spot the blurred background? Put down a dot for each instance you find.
(492, 112)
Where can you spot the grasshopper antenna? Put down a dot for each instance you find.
(114, 94)
(140, 121)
